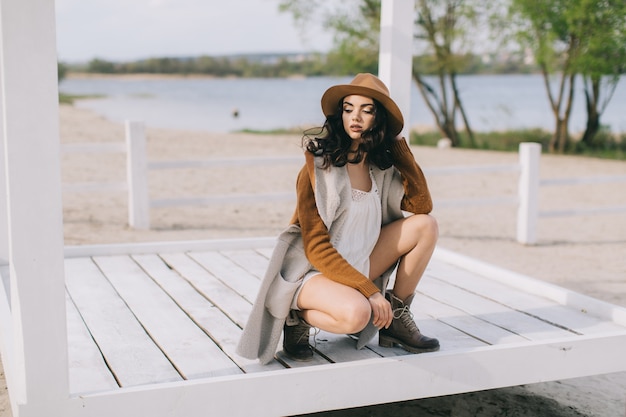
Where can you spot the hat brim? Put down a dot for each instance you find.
(332, 96)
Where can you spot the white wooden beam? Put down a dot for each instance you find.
(401, 378)
(528, 210)
(4, 226)
(31, 131)
(137, 173)
(395, 59)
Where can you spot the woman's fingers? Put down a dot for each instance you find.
(381, 311)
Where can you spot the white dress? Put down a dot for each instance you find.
(363, 228)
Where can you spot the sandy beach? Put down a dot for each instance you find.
(584, 253)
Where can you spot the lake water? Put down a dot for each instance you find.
(492, 102)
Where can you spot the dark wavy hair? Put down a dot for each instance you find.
(332, 143)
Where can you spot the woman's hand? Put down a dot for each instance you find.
(381, 310)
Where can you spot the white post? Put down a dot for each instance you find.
(395, 59)
(4, 214)
(35, 218)
(137, 172)
(528, 210)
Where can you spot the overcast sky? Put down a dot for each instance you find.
(133, 29)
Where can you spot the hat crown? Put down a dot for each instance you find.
(371, 82)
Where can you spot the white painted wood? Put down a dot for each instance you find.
(530, 285)
(103, 147)
(527, 214)
(445, 372)
(229, 273)
(473, 304)
(226, 162)
(475, 202)
(472, 169)
(137, 172)
(258, 243)
(87, 369)
(577, 320)
(339, 347)
(126, 346)
(266, 251)
(223, 199)
(479, 331)
(4, 210)
(6, 328)
(395, 58)
(31, 133)
(250, 260)
(600, 179)
(206, 315)
(582, 212)
(89, 187)
(231, 303)
(189, 349)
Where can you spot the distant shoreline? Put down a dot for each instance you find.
(155, 76)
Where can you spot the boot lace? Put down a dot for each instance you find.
(303, 331)
(405, 316)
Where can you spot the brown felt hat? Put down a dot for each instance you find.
(364, 85)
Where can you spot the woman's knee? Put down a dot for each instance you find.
(425, 226)
(355, 316)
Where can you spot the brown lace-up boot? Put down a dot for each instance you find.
(296, 338)
(403, 330)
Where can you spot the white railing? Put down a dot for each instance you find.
(140, 203)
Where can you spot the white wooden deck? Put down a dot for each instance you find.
(161, 322)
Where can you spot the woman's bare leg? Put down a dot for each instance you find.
(333, 307)
(412, 240)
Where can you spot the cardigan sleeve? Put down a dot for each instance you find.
(317, 245)
(416, 198)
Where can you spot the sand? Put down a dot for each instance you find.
(582, 253)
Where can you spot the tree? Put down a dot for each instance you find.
(356, 28)
(573, 39)
(603, 32)
(61, 71)
(543, 28)
(441, 26)
(444, 27)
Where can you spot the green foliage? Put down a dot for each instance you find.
(235, 66)
(61, 71)
(607, 145)
(604, 145)
(101, 66)
(498, 140)
(574, 37)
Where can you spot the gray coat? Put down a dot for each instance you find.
(289, 263)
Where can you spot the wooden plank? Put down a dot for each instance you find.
(190, 350)
(232, 304)
(229, 273)
(449, 337)
(206, 315)
(546, 309)
(517, 322)
(473, 327)
(87, 369)
(82, 251)
(250, 260)
(267, 251)
(129, 351)
(340, 348)
(571, 299)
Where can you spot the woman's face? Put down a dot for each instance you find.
(358, 114)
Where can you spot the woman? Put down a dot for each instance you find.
(331, 266)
